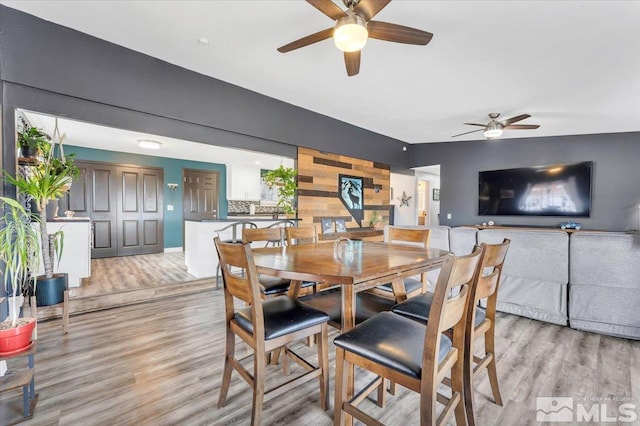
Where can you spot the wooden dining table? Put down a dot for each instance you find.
(354, 265)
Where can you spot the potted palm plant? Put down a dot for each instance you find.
(48, 180)
(19, 246)
(283, 179)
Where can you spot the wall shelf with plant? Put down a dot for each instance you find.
(48, 179)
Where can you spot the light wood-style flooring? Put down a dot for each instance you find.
(118, 281)
(126, 273)
(160, 363)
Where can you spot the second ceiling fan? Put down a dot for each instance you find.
(354, 26)
(494, 128)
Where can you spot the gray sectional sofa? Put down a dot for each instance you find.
(587, 280)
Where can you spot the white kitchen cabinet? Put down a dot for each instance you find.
(243, 182)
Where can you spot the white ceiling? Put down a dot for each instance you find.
(573, 65)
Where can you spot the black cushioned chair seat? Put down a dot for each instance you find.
(282, 315)
(330, 301)
(273, 285)
(411, 284)
(418, 308)
(392, 341)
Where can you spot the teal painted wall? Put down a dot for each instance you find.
(172, 174)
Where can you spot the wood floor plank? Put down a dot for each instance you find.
(160, 363)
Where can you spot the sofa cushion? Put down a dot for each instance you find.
(462, 240)
(535, 274)
(605, 283)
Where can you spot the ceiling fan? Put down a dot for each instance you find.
(494, 128)
(353, 27)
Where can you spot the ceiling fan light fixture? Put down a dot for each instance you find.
(493, 130)
(350, 33)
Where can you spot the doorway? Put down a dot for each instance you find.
(125, 205)
(424, 189)
(200, 195)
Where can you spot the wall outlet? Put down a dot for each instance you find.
(448, 215)
(170, 207)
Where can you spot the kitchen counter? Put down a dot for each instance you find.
(200, 254)
(249, 218)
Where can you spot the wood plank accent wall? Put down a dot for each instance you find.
(318, 186)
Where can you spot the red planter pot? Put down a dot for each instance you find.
(16, 339)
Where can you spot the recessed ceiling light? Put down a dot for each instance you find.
(149, 144)
(203, 40)
(257, 162)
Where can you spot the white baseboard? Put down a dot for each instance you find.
(172, 249)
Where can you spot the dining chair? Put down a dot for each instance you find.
(415, 355)
(236, 229)
(307, 234)
(269, 286)
(479, 322)
(266, 326)
(327, 297)
(283, 223)
(418, 237)
(301, 234)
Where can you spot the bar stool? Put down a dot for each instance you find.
(236, 238)
(269, 286)
(266, 326)
(418, 237)
(479, 321)
(416, 355)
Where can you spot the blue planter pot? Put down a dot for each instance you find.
(50, 291)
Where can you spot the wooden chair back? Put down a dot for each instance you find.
(301, 235)
(239, 277)
(270, 236)
(449, 312)
(418, 236)
(492, 259)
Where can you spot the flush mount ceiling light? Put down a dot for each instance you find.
(350, 33)
(149, 144)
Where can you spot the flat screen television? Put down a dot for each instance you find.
(555, 190)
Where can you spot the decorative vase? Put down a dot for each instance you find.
(13, 340)
(50, 291)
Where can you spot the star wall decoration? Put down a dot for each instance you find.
(404, 201)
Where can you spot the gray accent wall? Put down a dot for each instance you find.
(615, 187)
(93, 80)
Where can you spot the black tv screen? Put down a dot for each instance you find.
(556, 190)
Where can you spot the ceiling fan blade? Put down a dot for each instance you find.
(522, 126)
(370, 8)
(352, 61)
(398, 33)
(329, 8)
(305, 41)
(515, 119)
(466, 133)
(475, 124)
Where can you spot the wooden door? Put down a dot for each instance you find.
(93, 195)
(140, 211)
(125, 205)
(200, 195)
